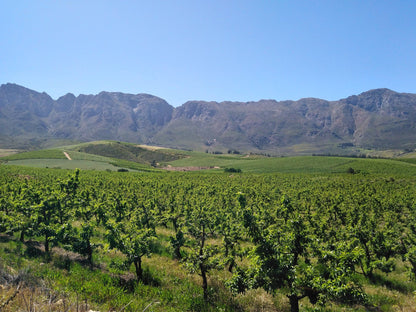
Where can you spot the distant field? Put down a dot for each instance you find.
(84, 156)
(57, 154)
(7, 152)
(300, 164)
(55, 158)
(64, 164)
(110, 155)
(42, 154)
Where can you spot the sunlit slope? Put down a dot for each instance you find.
(300, 164)
(100, 155)
(111, 155)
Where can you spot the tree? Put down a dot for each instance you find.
(47, 219)
(377, 240)
(134, 236)
(229, 226)
(173, 213)
(89, 218)
(52, 214)
(284, 258)
(203, 257)
(408, 242)
(19, 214)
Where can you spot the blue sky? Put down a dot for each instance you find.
(212, 50)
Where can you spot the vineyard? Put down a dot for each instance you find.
(317, 234)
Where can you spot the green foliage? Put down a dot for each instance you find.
(232, 170)
(73, 164)
(203, 257)
(177, 242)
(301, 165)
(129, 152)
(283, 258)
(316, 239)
(42, 154)
(134, 236)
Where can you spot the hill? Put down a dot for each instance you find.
(120, 156)
(99, 155)
(377, 119)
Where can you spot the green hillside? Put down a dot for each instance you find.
(129, 152)
(111, 155)
(99, 155)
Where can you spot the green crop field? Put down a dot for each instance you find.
(238, 233)
(299, 164)
(109, 154)
(65, 164)
(337, 232)
(41, 154)
(56, 158)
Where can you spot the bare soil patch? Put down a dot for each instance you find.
(67, 156)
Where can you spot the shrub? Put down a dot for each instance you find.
(233, 170)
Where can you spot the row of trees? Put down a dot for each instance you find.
(305, 237)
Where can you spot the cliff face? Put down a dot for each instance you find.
(378, 118)
(26, 114)
(116, 116)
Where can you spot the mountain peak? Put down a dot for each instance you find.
(378, 118)
(13, 87)
(377, 92)
(372, 100)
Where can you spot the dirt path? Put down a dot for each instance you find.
(67, 156)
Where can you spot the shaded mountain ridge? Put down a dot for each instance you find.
(379, 118)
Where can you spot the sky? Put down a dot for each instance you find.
(213, 50)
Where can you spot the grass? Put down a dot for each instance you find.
(408, 160)
(129, 152)
(84, 156)
(112, 162)
(42, 154)
(65, 284)
(299, 164)
(55, 158)
(64, 164)
(108, 155)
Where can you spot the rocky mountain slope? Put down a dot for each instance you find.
(380, 118)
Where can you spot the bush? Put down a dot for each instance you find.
(350, 170)
(233, 170)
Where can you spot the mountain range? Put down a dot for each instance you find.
(375, 119)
